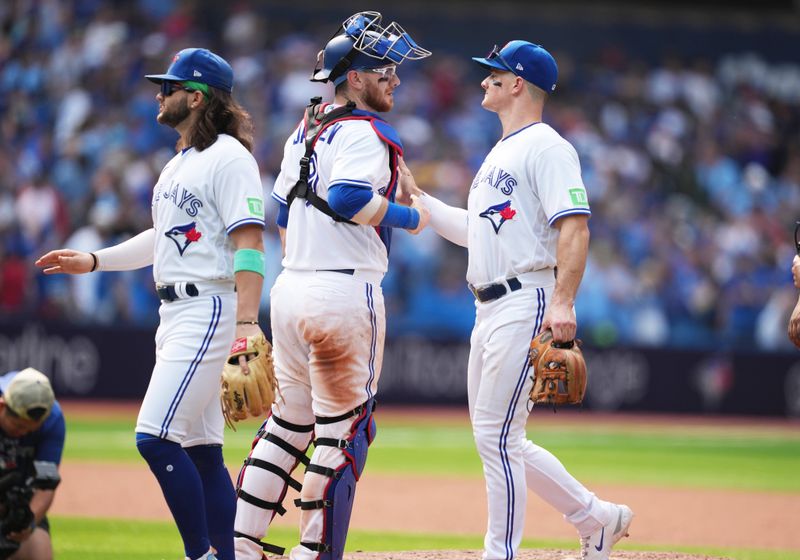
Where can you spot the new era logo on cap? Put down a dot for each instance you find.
(196, 73)
(519, 67)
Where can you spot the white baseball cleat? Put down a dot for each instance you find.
(598, 545)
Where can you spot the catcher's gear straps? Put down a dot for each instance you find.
(337, 501)
(299, 455)
(316, 121)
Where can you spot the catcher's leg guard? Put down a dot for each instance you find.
(336, 502)
(263, 481)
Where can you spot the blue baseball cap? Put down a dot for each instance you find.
(198, 65)
(530, 62)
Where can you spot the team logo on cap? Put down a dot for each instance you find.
(183, 236)
(499, 214)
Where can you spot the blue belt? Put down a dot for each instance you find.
(495, 291)
(168, 293)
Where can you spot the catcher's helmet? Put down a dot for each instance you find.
(362, 43)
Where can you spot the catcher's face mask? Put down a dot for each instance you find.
(362, 43)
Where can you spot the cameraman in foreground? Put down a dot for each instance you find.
(31, 441)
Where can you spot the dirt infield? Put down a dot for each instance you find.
(523, 555)
(664, 516)
(456, 505)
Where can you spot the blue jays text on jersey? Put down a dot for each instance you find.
(326, 136)
(181, 197)
(495, 177)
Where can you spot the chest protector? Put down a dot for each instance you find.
(316, 121)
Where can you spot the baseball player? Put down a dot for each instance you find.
(336, 194)
(794, 320)
(206, 248)
(527, 214)
(32, 429)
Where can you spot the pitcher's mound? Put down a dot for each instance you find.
(538, 554)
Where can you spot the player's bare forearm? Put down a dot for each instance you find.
(794, 325)
(41, 502)
(282, 234)
(796, 271)
(572, 251)
(249, 284)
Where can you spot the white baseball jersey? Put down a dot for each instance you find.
(199, 199)
(529, 180)
(346, 152)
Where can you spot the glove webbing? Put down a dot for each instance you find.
(266, 547)
(274, 469)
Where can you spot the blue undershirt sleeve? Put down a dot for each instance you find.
(283, 215)
(347, 200)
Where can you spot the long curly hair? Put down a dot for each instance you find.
(220, 114)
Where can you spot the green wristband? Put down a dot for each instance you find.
(249, 259)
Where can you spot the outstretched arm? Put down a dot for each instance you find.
(136, 252)
(571, 253)
(448, 221)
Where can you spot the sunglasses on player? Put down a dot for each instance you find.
(168, 88)
(386, 72)
(495, 53)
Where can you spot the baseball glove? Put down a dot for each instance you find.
(248, 395)
(559, 371)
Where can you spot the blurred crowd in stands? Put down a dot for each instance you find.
(692, 168)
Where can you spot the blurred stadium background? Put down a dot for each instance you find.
(686, 116)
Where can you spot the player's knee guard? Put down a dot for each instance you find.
(339, 493)
(285, 439)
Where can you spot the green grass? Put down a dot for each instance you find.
(101, 539)
(744, 459)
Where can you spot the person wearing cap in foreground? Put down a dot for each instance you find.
(31, 429)
(336, 216)
(206, 249)
(527, 214)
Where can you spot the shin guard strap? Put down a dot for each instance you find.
(332, 442)
(313, 504)
(271, 548)
(274, 469)
(324, 471)
(333, 419)
(288, 447)
(316, 546)
(258, 502)
(302, 428)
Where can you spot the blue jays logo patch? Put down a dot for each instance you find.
(184, 235)
(499, 214)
